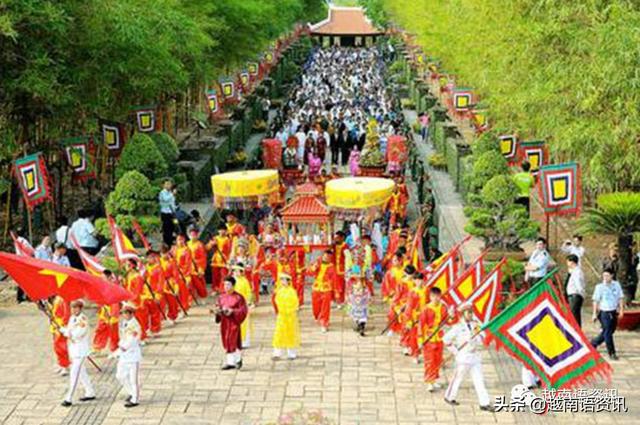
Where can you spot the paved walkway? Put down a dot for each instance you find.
(352, 380)
(449, 204)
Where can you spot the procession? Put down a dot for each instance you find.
(336, 233)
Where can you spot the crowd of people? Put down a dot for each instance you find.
(325, 119)
(321, 127)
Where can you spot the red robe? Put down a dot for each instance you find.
(321, 294)
(221, 246)
(186, 270)
(339, 289)
(230, 325)
(398, 305)
(171, 288)
(135, 284)
(199, 256)
(61, 311)
(156, 281)
(390, 281)
(428, 323)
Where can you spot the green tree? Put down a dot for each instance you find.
(563, 71)
(486, 166)
(496, 219)
(141, 154)
(618, 214)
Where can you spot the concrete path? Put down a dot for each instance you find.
(350, 379)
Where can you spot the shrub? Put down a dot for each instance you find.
(486, 166)
(149, 224)
(133, 195)
(495, 217)
(438, 161)
(486, 142)
(167, 147)
(396, 67)
(141, 154)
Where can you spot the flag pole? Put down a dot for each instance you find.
(45, 308)
(189, 287)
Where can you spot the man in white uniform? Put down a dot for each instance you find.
(465, 342)
(130, 355)
(77, 333)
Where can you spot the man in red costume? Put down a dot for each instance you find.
(266, 273)
(230, 312)
(399, 301)
(199, 256)
(155, 279)
(298, 279)
(234, 228)
(185, 269)
(322, 291)
(60, 311)
(339, 248)
(171, 287)
(221, 247)
(416, 302)
(106, 332)
(392, 277)
(134, 283)
(430, 334)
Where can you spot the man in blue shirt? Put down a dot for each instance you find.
(608, 306)
(167, 201)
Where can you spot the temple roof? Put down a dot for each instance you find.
(308, 188)
(345, 21)
(306, 209)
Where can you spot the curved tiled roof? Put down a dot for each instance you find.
(345, 21)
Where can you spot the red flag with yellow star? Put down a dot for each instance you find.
(42, 279)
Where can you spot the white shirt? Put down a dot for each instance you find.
(464, 341)
(62, 236)
(578, 251)
(83, 231)
(77, 332)
(130, 331)
(576, 284)
(539, 259)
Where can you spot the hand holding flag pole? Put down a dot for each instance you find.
(45, 308)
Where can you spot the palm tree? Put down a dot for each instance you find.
(617, 213)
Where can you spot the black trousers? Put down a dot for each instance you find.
(524, 202)
(20, 295)
(575, 304)
(609, 322)
(167, 228)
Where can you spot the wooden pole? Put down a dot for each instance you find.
(29, 222)
(7, 212)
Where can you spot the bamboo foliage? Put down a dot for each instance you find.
(561, 71)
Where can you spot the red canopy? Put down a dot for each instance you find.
(42, 279)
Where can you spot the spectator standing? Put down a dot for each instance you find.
(43, 251)
(167, 202)
(20, 295)
(538, 264)
(62, 233)
(424, 126)
(575, 287)
(574, 247)
(60, 255)
(611, 260)
(608, 307)
(85, 232)
(524, 181)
